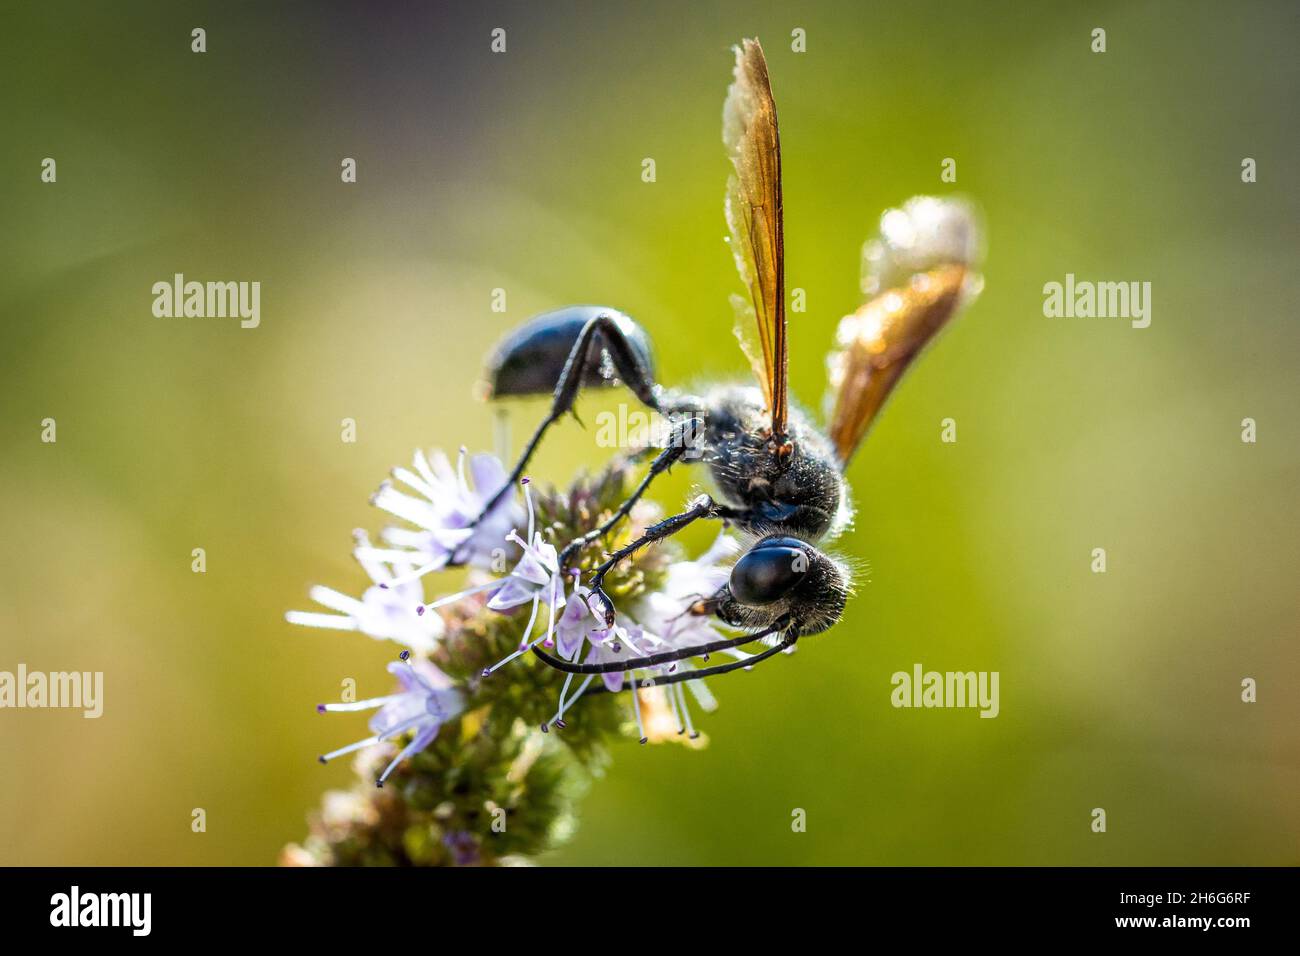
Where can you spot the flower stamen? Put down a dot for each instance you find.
(636, 706)
(671, 693)
(458, 596)
(370, 704)
(686, 710)
(412, 575)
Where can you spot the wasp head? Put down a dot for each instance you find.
(783, 578)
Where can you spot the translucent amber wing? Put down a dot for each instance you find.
(754, 217)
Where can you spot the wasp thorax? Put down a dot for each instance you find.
(792, 488)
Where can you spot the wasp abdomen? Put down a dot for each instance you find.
(530, 359)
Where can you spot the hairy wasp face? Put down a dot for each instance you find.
(783, 577)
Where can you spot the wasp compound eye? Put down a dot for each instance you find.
(769, 571)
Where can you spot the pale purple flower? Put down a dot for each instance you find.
(391, 609)
(621, 644)
(443, 506)
(666, 613)
(425, 702)
(536, 577)
(577, 625)
(662, 621)
(607, 645)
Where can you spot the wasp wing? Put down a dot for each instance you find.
(753, 207)
(919, 273)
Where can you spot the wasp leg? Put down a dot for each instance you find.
(702, 507)
(680, 441)
(786, 642)
(627, 363)
(654, 660)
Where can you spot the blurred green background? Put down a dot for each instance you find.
(523, 171)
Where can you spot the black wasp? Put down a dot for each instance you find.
(777, 475)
